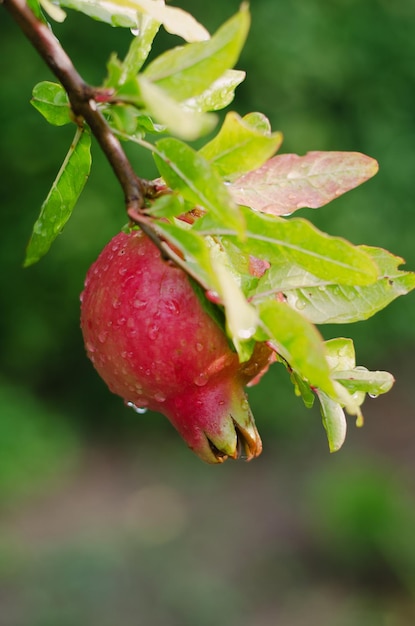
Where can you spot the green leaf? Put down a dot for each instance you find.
(241, 145)
(54, 11)
(324, 303)
(51, 100)
(303, 389)
(113, 13)
(288, 182)
(123, 72)
(58, 206)
(340, 354)
(34, 6)
(186, 171)
(360, 379)
(127, 13)
(186, 124)
(168, 205)
(140, 46)
(241, 317)
(193, 248)
(334, 421)
(218, 95)
(298, 342)
(186, 72)
(285, 242)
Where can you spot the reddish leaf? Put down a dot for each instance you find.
(288, 182)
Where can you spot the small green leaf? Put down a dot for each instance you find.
(186, 124)
(34, 6)
(334, 421)
(186, 72)
(54, 11)
(296, 241)
(324, 303)
(218, 95)
(194, 250)
(288, 182)
(298, 342)
(58, 206)
(140, 46)
(361, 379)
(303, 389)
(127, 13)
(241, 317)
(186, 171)
(168, 205)
(340, 354)
(51, 100)
(123, 14)
(241, 145)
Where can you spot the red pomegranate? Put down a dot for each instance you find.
(153, 343)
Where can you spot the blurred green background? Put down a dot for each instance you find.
(105, 517)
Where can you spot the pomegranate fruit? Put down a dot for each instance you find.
(153, 343)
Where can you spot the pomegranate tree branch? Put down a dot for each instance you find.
(82, 99)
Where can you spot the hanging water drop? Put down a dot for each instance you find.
(138, 409)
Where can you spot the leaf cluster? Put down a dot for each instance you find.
(224, 210)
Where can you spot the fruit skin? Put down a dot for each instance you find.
(154, 345)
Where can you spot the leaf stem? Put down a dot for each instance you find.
(83, 99)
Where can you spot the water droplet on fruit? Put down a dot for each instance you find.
(124, 354)
(300, 304)
(199, 347)
(201, 379)
(102, 337)
(139, 304)
(153, 331)
(116, 304)
(160, 397)
(172, 306)
(121, 321)
(122, 271)
(138, 409)
(81, 297)
(90, 347)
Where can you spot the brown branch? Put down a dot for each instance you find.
(83, 100)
